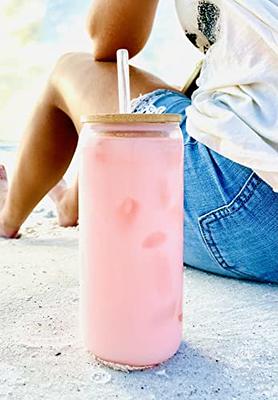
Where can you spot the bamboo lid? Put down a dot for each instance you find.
(130, 118)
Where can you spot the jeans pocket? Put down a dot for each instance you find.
(242, 236)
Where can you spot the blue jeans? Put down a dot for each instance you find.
(230, 214)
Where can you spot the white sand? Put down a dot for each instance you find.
(230, 347)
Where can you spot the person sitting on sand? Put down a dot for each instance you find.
(229, 126)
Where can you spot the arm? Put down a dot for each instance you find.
(114, 24)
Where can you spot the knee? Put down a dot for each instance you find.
(66, 57)
(72, 62)
(60, 66)
(58, 76)
(71, 65)
(71, 75)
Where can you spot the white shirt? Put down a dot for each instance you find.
(235, 109)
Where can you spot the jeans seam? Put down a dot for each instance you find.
(214, 216)
(237, 202)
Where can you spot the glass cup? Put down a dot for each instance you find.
(131, 237)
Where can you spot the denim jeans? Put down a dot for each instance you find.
(230, 214)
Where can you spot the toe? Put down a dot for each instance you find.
(3, 173)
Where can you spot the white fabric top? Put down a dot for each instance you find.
(235, 109)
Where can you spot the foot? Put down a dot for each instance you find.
(3, 186)
(64, 199)
(6, 231)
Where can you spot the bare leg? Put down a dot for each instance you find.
(79, 85)
(45, 153)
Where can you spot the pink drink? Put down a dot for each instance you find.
(131, 237)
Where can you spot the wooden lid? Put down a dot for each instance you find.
(130, 118)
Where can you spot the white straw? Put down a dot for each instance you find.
(123, 81)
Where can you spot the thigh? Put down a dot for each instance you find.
(85, 86)
(230, 214)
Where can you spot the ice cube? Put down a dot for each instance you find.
(154, 239)
(128, 209)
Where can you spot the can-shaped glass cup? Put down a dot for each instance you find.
(131, 237)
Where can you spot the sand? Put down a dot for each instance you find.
(230, 341)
